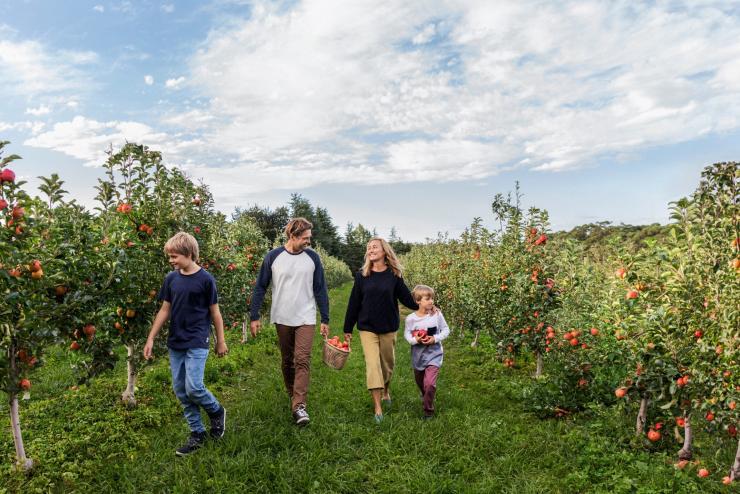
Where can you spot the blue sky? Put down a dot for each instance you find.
(388, 113)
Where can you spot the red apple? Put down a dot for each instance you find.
(7, 175)
(653, 435)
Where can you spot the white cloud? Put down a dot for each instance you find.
(148, 80)
(99, 8)
(548, 86)
(37, 112)
(72, 104)
(308, 93)
(425, 35)
(174, 83)
(27, 126)
(87, 139)
(31, 68)
(168, 8)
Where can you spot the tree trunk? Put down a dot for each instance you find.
(128, 396)
(540, 365)
(685, 452)
(641, 417)
(475, 340)
(245, 331)
(22, 462)
(735, 471)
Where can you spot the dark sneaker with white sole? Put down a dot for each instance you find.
(195, 441)
(218, 423)
(300, 415)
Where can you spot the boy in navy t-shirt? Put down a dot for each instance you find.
(190, 302)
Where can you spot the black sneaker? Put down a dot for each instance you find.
(218, 423)
(300, 415)
(195, 441)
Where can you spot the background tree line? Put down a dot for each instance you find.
(349, 246)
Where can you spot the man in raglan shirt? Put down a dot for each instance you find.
(298, 284)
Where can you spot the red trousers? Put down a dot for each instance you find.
(426, 380)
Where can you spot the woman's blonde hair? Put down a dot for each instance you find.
(390, 258)
(184, 244)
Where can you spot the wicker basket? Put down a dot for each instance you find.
(334, 357)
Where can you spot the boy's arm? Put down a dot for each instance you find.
(407, 330)
(162, 316)
(443, 330)
(218, 322)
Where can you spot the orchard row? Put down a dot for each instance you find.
(659, 326)
(89, 279)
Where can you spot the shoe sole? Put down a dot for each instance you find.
(222, 430)
(181, 454)
(302, 422)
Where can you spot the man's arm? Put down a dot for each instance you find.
(258, 295)
(162, 316)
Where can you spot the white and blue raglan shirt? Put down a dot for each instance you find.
(298, 284)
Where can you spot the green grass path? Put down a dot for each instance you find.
(480, 441)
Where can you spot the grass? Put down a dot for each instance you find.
(482, 440)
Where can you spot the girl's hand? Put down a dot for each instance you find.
(429, 340)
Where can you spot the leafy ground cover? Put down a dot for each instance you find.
(483, 439)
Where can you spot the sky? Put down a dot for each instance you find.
(399, 114)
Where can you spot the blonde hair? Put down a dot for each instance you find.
(184, 244)
(390, 258)
(421, 291)
(296, 227)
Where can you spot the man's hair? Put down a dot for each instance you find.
(296, 227)
(421, 291)
(184, 244)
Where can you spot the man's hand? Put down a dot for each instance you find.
(255, 327)
(324, 330)
(148, 349)
(221, 348)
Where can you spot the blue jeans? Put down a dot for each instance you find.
(187, 368)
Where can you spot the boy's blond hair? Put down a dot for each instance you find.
(421, 291)
(184, 244)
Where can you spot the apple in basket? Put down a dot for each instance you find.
(334, 341)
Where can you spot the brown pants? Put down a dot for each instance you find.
(380, 358)
(295, 347)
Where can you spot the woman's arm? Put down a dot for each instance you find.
(403, 294)
(353, 307)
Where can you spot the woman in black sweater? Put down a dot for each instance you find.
(373, 307)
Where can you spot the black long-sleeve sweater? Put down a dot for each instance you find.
(373, 304)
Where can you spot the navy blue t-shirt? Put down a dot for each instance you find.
(190, 297)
